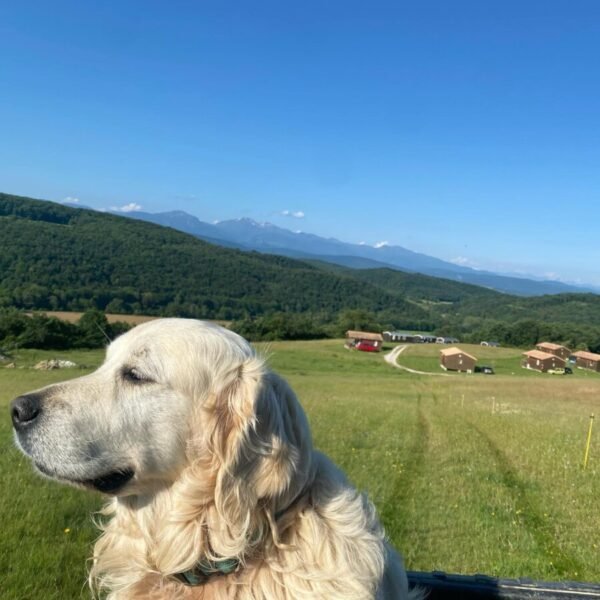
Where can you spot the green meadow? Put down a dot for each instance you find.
(470, 473)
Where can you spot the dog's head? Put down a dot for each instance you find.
(175, 398)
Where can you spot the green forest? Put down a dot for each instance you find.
(59, 258)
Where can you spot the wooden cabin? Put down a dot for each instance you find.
(587, 360)
(455, 359)
(556, 349)
(542, 361)
(355, 337)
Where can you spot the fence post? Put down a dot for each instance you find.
(588, 443)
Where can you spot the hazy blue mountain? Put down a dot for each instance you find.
(247, 234)
(176, 219)
(266, 237)
(76, 205)
(269, 238)
(509, 284)
(182, 221)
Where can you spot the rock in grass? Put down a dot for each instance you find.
(53, 363)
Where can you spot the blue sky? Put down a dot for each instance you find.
(465, 130)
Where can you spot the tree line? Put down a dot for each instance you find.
(21, 330)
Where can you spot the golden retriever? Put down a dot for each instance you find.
(216, 490)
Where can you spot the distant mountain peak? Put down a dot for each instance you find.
(248, 234)
(252, 223)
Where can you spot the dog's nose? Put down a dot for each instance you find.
(25, 410)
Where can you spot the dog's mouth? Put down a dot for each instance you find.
(109, 483)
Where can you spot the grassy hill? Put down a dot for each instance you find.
(60, 258)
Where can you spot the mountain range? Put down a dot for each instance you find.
(247, 234)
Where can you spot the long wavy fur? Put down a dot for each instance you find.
(255, 490)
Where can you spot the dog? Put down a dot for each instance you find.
(216, 491)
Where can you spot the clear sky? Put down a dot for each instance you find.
(466, 130)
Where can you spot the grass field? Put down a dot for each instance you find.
(73, 317)
(470, 473)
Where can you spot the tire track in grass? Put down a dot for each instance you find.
(394, 513)
(531, 516)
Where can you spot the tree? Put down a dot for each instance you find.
(94, 331)
(524, 333)
(358, 320)
(46, 332)
(594, 345)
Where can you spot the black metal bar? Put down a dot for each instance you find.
(439, 585)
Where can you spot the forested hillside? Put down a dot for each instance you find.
(420, 288)
(60, 258)
(475, 313)
(448, 299)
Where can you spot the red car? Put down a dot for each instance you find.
(366, 346)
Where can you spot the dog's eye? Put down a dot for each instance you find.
(132, 375)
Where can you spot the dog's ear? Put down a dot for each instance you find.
(263, 444)
(252, 459)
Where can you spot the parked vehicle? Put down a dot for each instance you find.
(558, 371)
(561, 371)
(366, 346)
(485, 369)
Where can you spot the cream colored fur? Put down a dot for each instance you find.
(224, 468)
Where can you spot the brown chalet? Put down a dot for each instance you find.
(556, 349)
(587, 360)
(542, 361)
(355, 337)
(455, 359)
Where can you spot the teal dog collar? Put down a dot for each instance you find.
(204, 569)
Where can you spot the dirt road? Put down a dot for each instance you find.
(392, 357)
